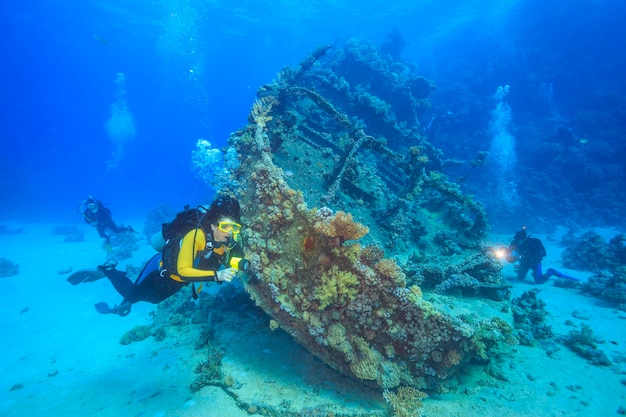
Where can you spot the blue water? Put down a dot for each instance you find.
(191, 69)
(109, 98)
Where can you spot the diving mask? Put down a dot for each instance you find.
(227, 227)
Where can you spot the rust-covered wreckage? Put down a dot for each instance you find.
(360, 246)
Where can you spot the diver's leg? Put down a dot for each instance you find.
(122, 284)
(522, 271)
(102, 231)
(538, 276)
(537, 271)
(111, 225)
(148, 286)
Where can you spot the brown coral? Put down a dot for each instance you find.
(405, 402)
(372, 254)
(346, 228)
(389, 269)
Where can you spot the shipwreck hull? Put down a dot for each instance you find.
(350, 225)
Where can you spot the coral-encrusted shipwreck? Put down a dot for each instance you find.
(353, 232)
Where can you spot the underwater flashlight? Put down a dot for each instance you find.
(500, 253)
(239, 264)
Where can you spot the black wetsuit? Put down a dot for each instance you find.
(530, 252)
(153, 287)
(101, 220)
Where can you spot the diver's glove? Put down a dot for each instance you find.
(225, 275)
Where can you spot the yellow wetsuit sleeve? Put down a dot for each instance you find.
(193, 242)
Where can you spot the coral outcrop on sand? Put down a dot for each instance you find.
(606, 259)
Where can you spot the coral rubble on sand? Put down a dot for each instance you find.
(359, 244)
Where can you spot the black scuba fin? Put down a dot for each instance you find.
(85, 275)
(121, 310)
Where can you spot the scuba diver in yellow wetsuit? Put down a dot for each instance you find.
(215, 242)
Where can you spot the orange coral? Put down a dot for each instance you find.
(390, 269)
(346, 228)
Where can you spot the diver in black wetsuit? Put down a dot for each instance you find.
(98, 216)
(529, 251)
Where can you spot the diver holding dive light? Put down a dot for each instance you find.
(529, 251)
(211, 251)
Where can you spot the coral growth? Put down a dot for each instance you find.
(607, 259)
(389, 269)
(70, 231)
(590, 252)
(124, 245)
(8, 231)
(339, 225)
(405, 401)
(583, 342)
(529, 315)
(8, 268)
(336, 287)
(136, 334)
(608, 285)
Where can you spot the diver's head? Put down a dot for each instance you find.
(520, 235)
(224, 206)
(90, 204)
(226, 230)
(224, 216)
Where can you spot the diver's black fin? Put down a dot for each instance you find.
(122, 309)
(85, 275)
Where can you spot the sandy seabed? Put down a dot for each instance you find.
(61, 358)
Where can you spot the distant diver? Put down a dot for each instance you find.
(529, 251)
(98, 216)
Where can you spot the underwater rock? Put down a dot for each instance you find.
(71, 233)
(339, 189)
(136, 334)
(7, 231)
(607, 259)
(584, 343)
(529, 314)
(124, 245)
(590, 251)
(608, 286)
(8, 268)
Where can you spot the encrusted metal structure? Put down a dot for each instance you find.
(355, 236)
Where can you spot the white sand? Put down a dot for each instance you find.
(70, 363)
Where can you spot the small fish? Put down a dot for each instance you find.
(101, 40)
(583, 141)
